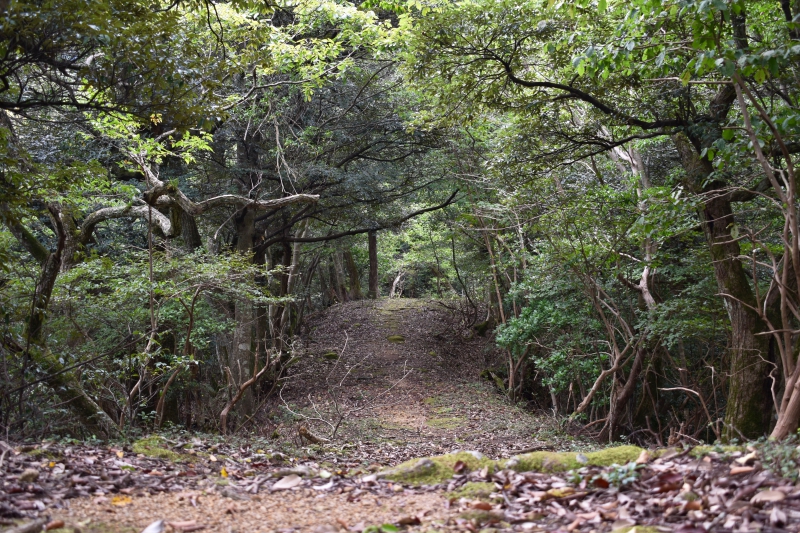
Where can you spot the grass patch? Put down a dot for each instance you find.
(154, 446)
(396, 338)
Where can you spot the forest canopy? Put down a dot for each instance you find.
(606, 190)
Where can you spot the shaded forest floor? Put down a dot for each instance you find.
(398, 380)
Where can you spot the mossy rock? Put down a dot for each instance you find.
(474, 490)
(562, 461)
(155, 446)
(396, 338)
(330, 356)
(434, 470)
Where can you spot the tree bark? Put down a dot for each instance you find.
(749, 406)
(372, 240)
(241, 354)
(354, 276)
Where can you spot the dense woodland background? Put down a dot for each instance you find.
(605, 189)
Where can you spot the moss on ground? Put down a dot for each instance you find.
(396, 338)
(445, 422)
(155, 446)
(700, 451)
(434, 470)
(561, 461)
(474, 490)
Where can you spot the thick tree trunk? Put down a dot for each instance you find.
(372, 244)
(189, 232)
(749, 404)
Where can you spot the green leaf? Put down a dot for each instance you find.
(602, 6)
(727, 134)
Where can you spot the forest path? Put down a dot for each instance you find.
(408, 379)
(179, 482)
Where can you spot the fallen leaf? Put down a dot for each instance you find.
(324, 474)
(602, 483)
(736, 470)
(643, 458)
(212, 458)
(155, 527)
(459, 467)
(560, 493)
(55, 524)
(223, 472)
(750, 457)
(289, 482)
(121, 500)
(120, 454)
(484, 506)
(777, 517)
(768, 496)
(694, 505)
(409, 521)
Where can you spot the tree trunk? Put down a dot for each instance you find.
(354, 275)
(338, 272)
(749, 405)
(189, 232)
(240, 358)
(372, 293)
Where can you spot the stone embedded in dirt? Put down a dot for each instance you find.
(419, 468)
(29, 475)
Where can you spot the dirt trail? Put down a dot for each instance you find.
(409, 383)
(416, 378)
